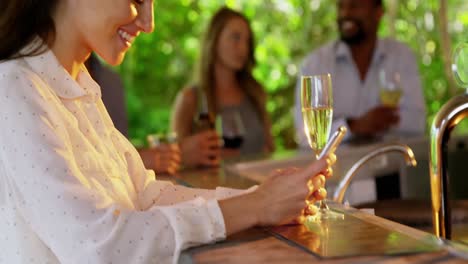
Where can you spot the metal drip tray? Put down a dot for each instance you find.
(356, 236)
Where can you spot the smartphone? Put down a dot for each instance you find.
(334, 141)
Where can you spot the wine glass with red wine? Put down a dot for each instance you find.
(231, 128)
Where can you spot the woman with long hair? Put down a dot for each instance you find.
(224, 82)
(72, 188)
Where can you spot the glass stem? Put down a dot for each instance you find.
(323, 205)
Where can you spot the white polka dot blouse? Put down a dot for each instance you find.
(74, 190)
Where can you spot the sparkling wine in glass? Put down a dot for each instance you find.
(317, 114)
(317, 126)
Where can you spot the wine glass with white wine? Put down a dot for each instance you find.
(317, 114)
(390, 88)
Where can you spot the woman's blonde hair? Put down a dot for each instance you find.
(204, 74)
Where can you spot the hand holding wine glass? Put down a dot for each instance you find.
(374, 122)
(383, 117)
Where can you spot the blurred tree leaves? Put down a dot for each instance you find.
(160, 64)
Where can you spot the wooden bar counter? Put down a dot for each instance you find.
(361, 238)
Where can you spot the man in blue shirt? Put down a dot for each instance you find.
(356, 62)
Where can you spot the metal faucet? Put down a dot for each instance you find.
(344, 183)
(446, 119)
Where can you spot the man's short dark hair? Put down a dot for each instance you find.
(378, 2)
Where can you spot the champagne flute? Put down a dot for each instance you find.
(317, 114)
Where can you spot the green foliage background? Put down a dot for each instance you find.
(160, 64)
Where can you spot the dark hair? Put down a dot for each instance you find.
(204, 74)
(21, 21)
(378, 3)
